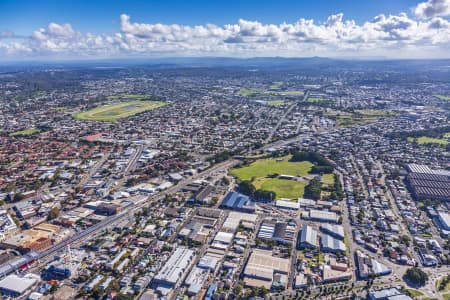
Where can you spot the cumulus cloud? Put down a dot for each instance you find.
(433, 8)
(390, 35)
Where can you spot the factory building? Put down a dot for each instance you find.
(262, 268)
(174, 270)
(426, 183)
(308, 238)
(330, 244)
(336, 231)
(239, 202)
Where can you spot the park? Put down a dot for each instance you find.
(114, 112)
(270, 174)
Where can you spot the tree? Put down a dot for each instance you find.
(313, 189)
(225, 180)
(264, 195)
(53, 214)
(246, 188)
(416, 276)
(405, 239)
(122, 297)
(239, 288)
(54, 288)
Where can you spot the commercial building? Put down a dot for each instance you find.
(235, 219)
(426, 183)
(32, 239)
(204, 196)
(15, 286)
(308, 238)
(208, 262)
(388, 294)
(287, 204)
(332, 274)
(175, 268)
(320, 216)
(368, 266)
(25, 210)
(108, 209)
(239, 202)
(330, 244)
(444, 220)
(262, 267)
(7, 225)
(336, 231)
(279, 232)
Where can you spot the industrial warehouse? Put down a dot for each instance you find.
(426, 183)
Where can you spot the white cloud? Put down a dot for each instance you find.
(389, 35)
(433, 8)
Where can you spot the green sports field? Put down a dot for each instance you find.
(430, 140)
(25, 132)
(443, 97)
(114, 112)
(260, 169)
(250, 92)
(283, 188)
(268, 166)
(277, 102)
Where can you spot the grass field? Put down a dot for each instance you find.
(276, 102)
(268, 166)
(259, 170)
(414, 293)
(260, 93)
(25, 132)
(248, 92)
(429, 140)
(283, 188)
(287, 93)
(114, 112)
(276, 84)
(140, 97)
(374, 112)
(443, 97)
(58, 108)
(316, 99)
(362, 116)
(328, 179)
(446, 289)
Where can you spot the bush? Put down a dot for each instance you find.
(416, 276)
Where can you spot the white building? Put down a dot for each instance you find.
(7, 225)
(175, 267)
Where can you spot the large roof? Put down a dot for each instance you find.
(236, 200)
(333, 229)
(176, 265)
(330, 243)
(262, 264)
(308, 235)
(17, 284)
(445, 219)
(223, 237)
(323, 215)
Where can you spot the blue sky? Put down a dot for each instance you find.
(115, 28)
(102, 16)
